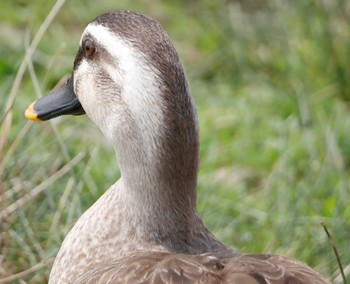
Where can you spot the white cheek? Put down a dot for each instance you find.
(85, 89)
(84, 85)
(139, 83)
(137, 80)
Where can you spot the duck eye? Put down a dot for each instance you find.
(89, 47)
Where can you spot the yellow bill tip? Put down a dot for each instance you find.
(31, 114)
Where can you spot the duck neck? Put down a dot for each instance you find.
(159, 171)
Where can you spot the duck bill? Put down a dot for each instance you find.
(58, 102)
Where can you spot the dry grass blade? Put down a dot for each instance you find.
(27, 272)
(41, 187)
(330, 239)
(8, 111)
(62, 204)
(13, 146)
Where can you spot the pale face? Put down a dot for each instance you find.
(116, 83)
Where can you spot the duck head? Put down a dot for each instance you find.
(125, 66)
(128, 79)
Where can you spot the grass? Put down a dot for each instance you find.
(270, 80)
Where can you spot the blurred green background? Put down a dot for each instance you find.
(271, 83)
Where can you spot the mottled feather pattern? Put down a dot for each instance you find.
(154, 267)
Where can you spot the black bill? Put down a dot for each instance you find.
(58, 102)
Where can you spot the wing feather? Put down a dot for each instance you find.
(154, 268)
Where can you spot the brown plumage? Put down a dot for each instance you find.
(128, 79)
(180, 268)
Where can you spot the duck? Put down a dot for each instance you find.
(128, 79)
